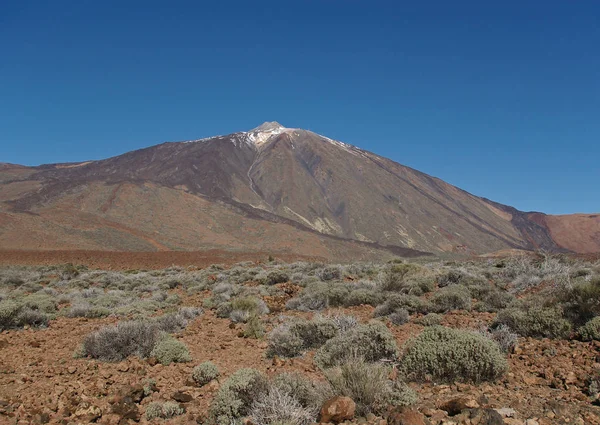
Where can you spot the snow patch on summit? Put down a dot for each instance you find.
(261, 134)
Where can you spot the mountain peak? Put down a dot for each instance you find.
(263, 133)
(267, 126)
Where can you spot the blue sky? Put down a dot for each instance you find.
(499, 98)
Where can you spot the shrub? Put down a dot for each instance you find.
(581, 303)
(537, 322)
(115, 343)
(419, 285)
(317, 296)
(454, 297)
(343, 322)
(204, 373)
(393, 278)
(308, 393)
(279, 407)
(394, 302)
(496, 300)
(166, 410)
(284, 343)
(254, 328)
(169, 350)
(235, 396)
(276, 276)
(430, 319)
(243, 308)
(399, 317)
(291, 339)
(363, 297)
(503, 336)
(87, 310)
(591, 330)
(372, 342)
(15, 315)
(447, 355)
(368, 384)
(330, 273)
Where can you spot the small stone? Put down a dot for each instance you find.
(181, 397)
(506, 412)
(406, 416)
(457, 405)
(71, 369)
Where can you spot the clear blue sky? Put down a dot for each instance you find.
(499, 98)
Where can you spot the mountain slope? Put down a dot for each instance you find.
(272, 186)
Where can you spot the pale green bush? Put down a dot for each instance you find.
(236, 395)
(204, 373)
(372, 342)
(591, 330)
(169, 350)
(448, 355)
(368, 384)
(537, 322)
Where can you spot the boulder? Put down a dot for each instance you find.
(337, 409)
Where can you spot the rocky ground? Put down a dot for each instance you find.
(41, 382)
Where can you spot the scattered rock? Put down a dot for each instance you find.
(337, 409)
(88, 413)
(480, 417)
(181, 397)
(506, 412)
(405, 416)
(457, 405)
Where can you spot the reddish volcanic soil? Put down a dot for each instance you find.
(39, 379)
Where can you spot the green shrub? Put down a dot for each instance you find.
(317, 296)
(591, 330)
(254, 328)
(293, 338)
(393, 278)
(169, 350)
(368, 384)
(430, 319)
(290, 399)
(448, 355)
(330, 273)
(16, 315)
(419, 284)
(453, 297)
(399, 317)
(204, 373)
(276, 276)
(372, 342)
(115, 343)
(87, 310)
(166, 410)
(363, 297)
(395, 302)
(537, 322)
(243, 308)
(235, 396)
(581, 302)
(309, 394)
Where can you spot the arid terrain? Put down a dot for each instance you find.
(496, 340)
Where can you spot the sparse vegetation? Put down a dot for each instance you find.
(204, 373)
(169, 350)
(501, 300)
(235, 397)
(371, 342)
(369, 385)
(447, 355)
